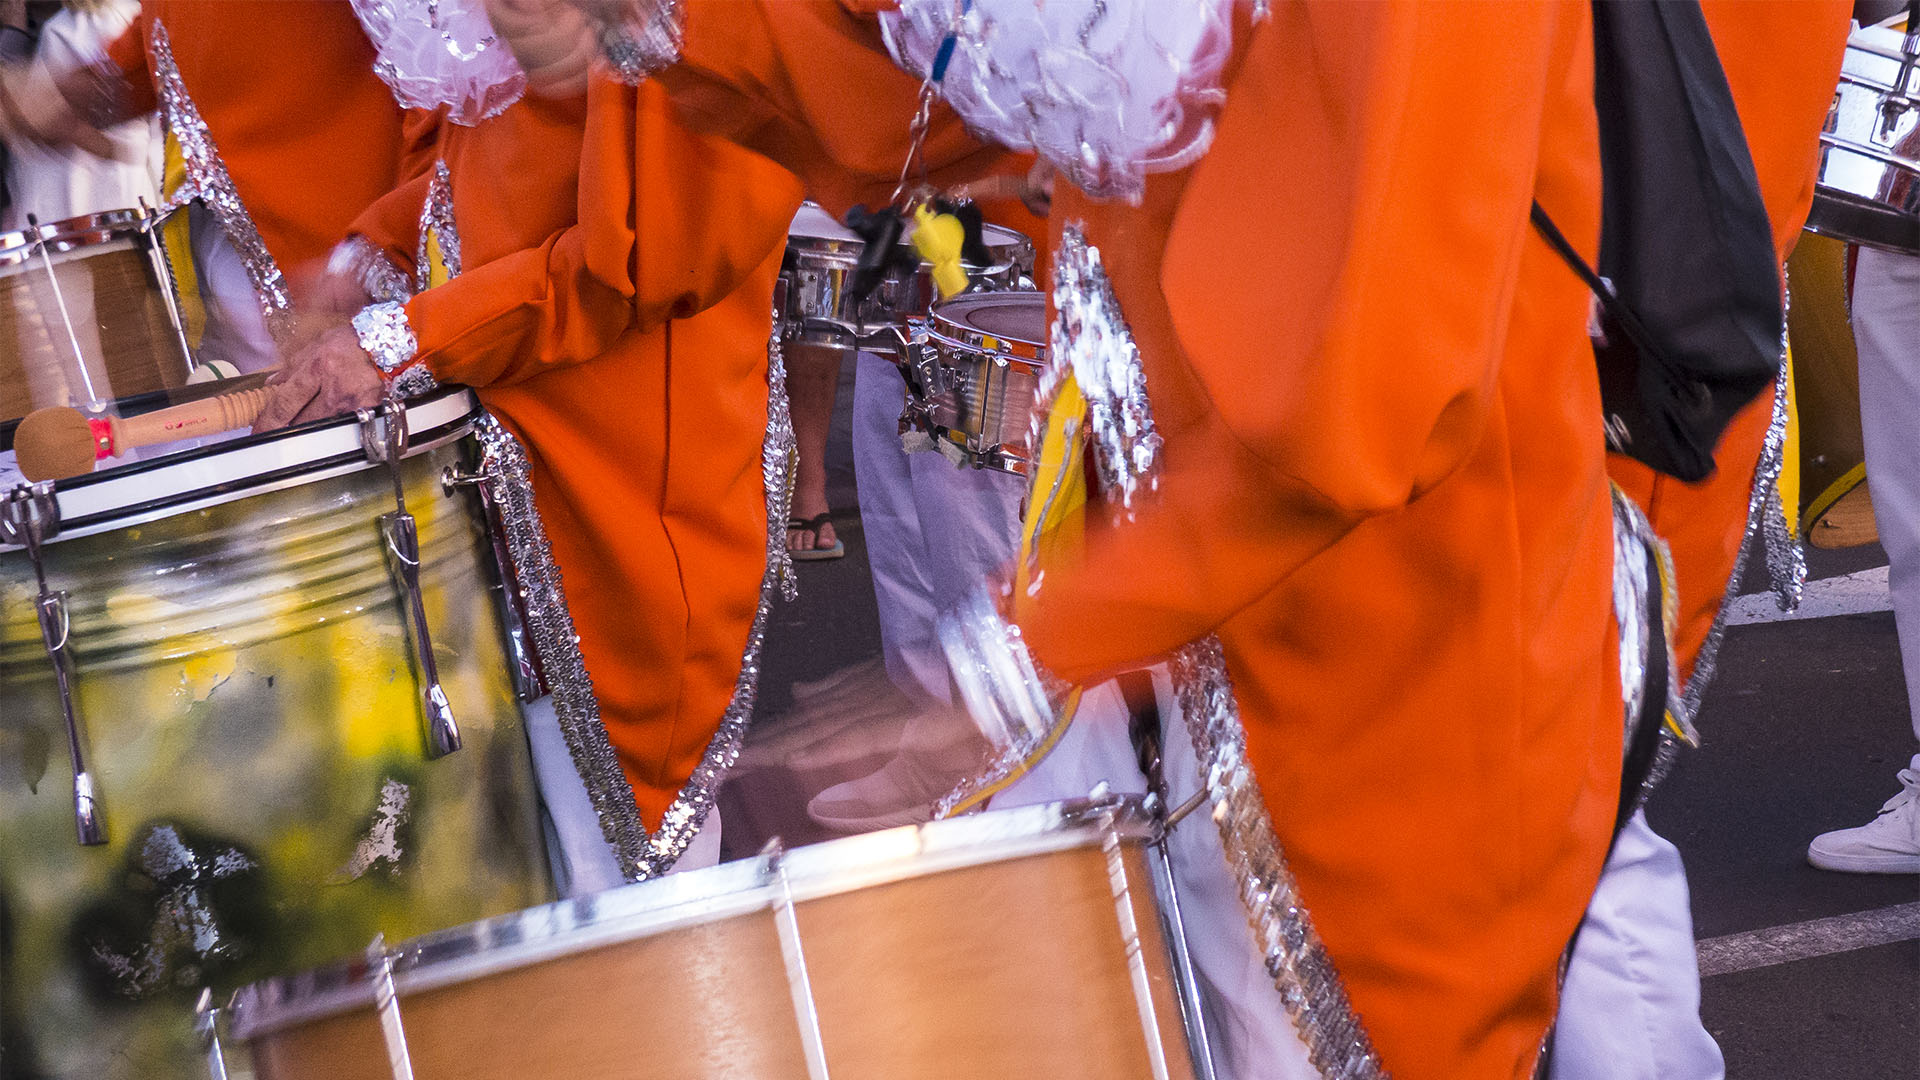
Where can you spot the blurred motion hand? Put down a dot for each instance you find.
(330, 375)
(33, 106)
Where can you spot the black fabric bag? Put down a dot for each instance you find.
(1688, 281)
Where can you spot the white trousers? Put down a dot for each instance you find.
(1251, 1034)
(934, 530)
(1886, 329)
(1630, 1009)
(576, 848)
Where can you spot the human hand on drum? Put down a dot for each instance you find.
(330, 375)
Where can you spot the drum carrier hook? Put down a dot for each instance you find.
(383, 435)
(29, 517)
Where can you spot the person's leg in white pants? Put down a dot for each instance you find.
(1630, 1006)
(1886, 329)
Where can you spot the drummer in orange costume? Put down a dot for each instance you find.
(1637, 949)
(604, 279)
(1382, 484)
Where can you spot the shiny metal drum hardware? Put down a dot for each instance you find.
(525, 668)
(383, 434)
(1868, 188)
(386, 1004)
(206, 1024)
(30, 517)
(806, 1011)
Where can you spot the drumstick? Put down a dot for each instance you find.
(59, 442)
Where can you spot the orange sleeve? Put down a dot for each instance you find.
(809, 84)
(711, 213)
(392, 223)
(128, 52)
(1338, 282)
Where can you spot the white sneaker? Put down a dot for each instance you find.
(1889, 844)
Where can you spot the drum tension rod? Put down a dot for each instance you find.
(386, 1005)
(383, 435)
(206, 1024)
(30, 517)
(786, 924)
(527, 671)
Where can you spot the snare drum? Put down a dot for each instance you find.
(1010, 943)
(247, 706)
(979, 358)
(88, 314)
(821, 256)
(1869, 183)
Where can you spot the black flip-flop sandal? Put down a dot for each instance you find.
(815, 554)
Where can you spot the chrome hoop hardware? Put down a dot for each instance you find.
(66, 317)
(386, 1005)
(29, 517)
(527, 672)
(383, 435)
(787, 924)
(206, 1024)
(151, 222)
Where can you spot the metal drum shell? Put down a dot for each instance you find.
(1868, 188)
(982, 385)
(820, 259)
(244, 681)
(990, 945)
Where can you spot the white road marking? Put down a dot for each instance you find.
(1850, 594)
(1806, 940)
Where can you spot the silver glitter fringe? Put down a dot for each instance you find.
(436, 218)
(684, 818)
(362, 260)
(1767, 520)
(640, 38)
(1310, 987)
(1091, 338)
(207, 180)
(1644, 608)
(558, 644)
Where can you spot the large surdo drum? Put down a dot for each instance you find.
(1010, 943)
(218, 733)
(88, 314)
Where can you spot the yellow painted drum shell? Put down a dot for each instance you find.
(1836, 510)
(247, 688)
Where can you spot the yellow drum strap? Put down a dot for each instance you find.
(1051, 531)
(178, 241)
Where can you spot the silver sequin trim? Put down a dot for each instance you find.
(207, 180)
(414, 382)
(641, 38)
(1767, 520)
(386, 335)
(436, 219)
(684, 818)
(362, 260)
(558, 644)
(1091, 338)
(1296, 959)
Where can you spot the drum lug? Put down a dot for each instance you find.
(29, 518)
(206, 1024)
(383, 435)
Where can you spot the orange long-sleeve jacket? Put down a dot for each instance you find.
(286, 88)
(1383, 485)
(612, 310)
(1782, 96)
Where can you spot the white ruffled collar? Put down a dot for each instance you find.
(1106, 90)
(435, 53)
